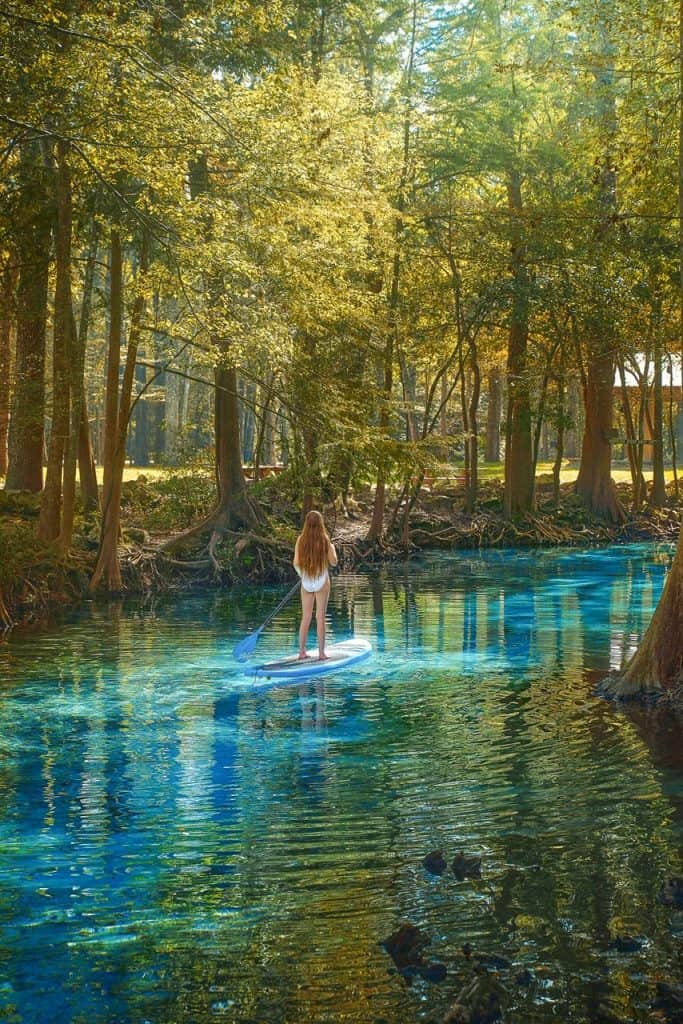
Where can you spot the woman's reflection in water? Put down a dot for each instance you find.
(313, 712)
(314, 745)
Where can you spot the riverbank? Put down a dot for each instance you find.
(156, 512)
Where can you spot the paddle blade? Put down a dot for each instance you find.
(246, 646)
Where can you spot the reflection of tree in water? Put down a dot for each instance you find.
(662, 732)
(377, 583)
(264, 844)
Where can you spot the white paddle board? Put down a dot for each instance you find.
(348, 652)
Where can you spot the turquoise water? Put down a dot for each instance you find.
(177, 845)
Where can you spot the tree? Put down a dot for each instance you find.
(657, 665)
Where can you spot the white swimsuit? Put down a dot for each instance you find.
(312, 584)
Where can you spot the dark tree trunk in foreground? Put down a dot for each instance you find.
(594, 484)
(27, 415)
(657, 665)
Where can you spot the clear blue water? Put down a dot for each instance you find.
(177, 845)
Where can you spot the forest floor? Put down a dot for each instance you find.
(160, 505)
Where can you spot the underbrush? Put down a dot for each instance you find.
(172, 502)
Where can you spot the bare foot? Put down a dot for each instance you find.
(323, 657)
(303, 657)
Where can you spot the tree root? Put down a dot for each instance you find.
(213, 544)
(6, 620)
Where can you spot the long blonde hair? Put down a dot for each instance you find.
(314, 545)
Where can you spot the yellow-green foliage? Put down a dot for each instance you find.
(168, 503)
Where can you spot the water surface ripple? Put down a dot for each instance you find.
(180, 845)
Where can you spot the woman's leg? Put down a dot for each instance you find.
(306, 616)
(321, 599)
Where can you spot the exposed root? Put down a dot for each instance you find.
(6, 620)
(213, 543)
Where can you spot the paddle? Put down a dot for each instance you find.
(247, 646)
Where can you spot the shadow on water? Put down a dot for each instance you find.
(177, 844)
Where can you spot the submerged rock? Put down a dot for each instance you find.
(466, 867)
(671, 893)
(626, 944)
(433, 971)
(405, 946)
(435, 862)
(669, 1001)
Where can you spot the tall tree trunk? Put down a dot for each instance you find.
(175, 386)
(27, 407)
(574, 416)
(270, 438)
(234, 506)
(633, 448)
(519, 475)
(493, 414)
(111, 393)
(409, 387)
(111, 413)
(658, 497)
(473, 431)
(376, 528)
(50, 519)
(6, 302)
(658, 663)
(230, 477)
(561, 424)
(680, 199)
(377, 523)
(79, 339)
(594, 483)
(87, 472)
(118, 413)
(672, 414)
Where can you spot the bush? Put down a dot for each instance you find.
(168, 503)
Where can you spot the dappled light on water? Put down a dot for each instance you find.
(177, 844)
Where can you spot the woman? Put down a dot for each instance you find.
(313, 555)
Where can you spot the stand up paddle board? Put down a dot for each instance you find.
(348, 652)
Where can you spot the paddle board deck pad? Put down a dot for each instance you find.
(348, 652)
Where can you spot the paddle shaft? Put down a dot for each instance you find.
(281, 605)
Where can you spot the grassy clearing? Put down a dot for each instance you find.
(487, 471)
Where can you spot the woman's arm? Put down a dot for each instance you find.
(295, 561)
(332, 554)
